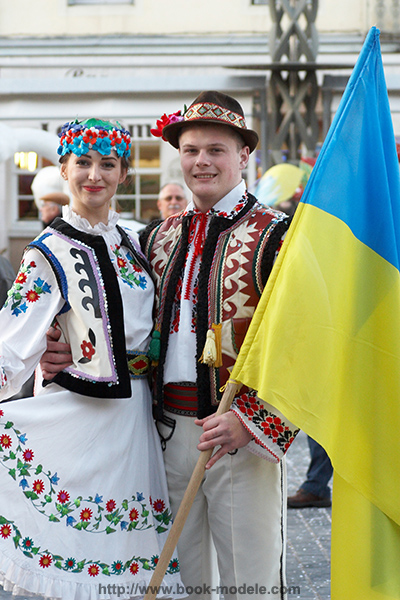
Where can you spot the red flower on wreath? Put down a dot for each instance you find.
(5, 531)
(164, 121)
(159, 505)
(86, 514)
(28, 455)
(45, 561)
(87, 349)
(38, 486)
(62, 496)
(134, 515)
(110, 506)
(21, 278)
(90, 137)
(32, 296)
(93, 570)
(121, 262)
(134, 568)
(5, 441)
(1, 413)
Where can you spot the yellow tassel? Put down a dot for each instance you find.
(212, 353)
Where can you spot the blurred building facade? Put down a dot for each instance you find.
(133, 60)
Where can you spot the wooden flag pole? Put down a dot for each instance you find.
(187, 501)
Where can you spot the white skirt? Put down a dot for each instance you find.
(84, 508)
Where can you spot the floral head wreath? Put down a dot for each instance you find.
(78, 137)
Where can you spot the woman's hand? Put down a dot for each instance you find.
(57, 356)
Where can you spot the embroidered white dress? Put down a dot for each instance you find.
(84, 508)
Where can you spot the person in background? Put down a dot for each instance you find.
(50, 193)
(171, 200)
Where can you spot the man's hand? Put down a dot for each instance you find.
(57, 356)
(222, 430)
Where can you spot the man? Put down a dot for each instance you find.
(50, 194)
(210, 264)
(171, 200)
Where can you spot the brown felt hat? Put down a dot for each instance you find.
(212, 107)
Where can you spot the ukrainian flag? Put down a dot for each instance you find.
(324, 343)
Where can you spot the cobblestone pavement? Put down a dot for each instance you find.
(308, 554)
(309, 534)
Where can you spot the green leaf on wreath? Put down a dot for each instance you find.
(125, 504)
(145, 513)
(28, 554)
(35, 550)
(12, 473)
(13, 456)
(39, 469)
(8, 425)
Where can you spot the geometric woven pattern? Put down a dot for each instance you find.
(207, 110)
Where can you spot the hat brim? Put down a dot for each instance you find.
(172, 132)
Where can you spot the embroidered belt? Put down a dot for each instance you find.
(138, 364)
(181, 399)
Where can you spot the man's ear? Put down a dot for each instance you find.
(244, 155)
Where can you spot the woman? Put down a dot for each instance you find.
(83, 504)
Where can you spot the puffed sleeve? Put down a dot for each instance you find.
(32, 303)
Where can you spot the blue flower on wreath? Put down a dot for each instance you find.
(121, 148)
(22, 438)
(98, 499)
(124, 525)
(103, 146)
(139, 496)
(54, 479)
(23, 483)
(70, 521)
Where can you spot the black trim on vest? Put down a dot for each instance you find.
(274, 240)
(116, 318)
(168, 305)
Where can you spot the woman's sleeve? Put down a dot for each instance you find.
(32, 303)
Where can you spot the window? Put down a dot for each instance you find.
(100, 1)
(26, 165)
(137, 197)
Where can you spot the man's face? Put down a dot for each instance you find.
(171, 200)
(212, 162)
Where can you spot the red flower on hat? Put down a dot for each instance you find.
(164, 121)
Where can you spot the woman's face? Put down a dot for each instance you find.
(93, 180)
